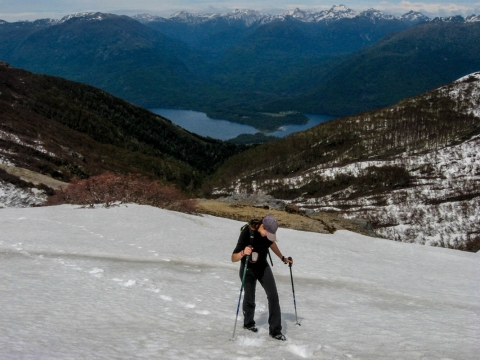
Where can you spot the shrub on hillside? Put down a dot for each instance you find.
(109, 189)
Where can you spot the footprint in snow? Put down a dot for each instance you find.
(203, 312)
(97, 272)
(303, 351)
(129, 283)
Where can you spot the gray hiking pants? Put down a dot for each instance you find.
(268, 283)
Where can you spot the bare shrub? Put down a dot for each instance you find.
(109, 188)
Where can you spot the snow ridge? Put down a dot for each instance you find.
(86, 16)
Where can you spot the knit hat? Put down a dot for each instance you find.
(271, 225)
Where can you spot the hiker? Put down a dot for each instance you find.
(255, 239)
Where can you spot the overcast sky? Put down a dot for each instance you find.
(14, 10)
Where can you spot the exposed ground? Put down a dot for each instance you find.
(33, 177)
(324, 223)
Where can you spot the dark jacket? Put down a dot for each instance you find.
(260, 245)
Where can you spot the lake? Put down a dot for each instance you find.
(199, 123)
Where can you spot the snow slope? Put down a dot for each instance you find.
(136, 282)
(423, 213)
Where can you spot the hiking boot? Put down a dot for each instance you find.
(279, 336)
(251, 328)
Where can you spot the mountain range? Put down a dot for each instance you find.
(335, 13)
(244, 65)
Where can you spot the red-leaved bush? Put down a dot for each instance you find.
(110, 189)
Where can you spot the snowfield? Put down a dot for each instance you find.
(137, 282)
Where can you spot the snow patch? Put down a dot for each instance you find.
(303, 351)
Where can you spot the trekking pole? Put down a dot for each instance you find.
(240, 296)
(293, 290)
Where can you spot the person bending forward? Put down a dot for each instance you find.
(254, 241)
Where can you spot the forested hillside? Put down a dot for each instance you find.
(111, 52)
(411, 169)
(67, 129)
(400, 65)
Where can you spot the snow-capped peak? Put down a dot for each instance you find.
(414, 17)
(340, 12)
(374, 14)
(239, 13)
(297, 13)
(248, 16)
(472, 18)
(89, 16)
(145, 18)
(301, 15)
(184, 15)
(456, 18)
(336, 12)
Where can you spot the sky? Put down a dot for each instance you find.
(137, 282)
(14, 10)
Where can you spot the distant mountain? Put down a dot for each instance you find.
(260, 58)
(472, 18)
(414, 17)
(114, 53)
(25, 25)
(215, 71)
(399, 65)
(292, 56)
(409, 169)
(302, 52)
(65, 129)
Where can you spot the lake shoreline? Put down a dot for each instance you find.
(200, 124)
